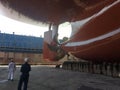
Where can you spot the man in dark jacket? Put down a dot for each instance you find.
(25, 69)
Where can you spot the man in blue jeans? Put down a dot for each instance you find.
(25, 69)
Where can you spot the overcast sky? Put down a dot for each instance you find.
(8, 25)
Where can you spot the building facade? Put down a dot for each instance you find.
(18, 47)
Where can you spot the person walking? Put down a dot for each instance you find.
(24, 77)
(11, 70)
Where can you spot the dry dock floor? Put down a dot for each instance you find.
(49, 78)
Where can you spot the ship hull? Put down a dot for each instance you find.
(98, 39)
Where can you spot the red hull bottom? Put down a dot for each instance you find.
(99, 38)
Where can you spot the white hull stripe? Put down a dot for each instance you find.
(78, 24)
(71, 44)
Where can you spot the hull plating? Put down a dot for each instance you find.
(99, 37)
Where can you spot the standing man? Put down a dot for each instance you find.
(11, 70)
(25, 69)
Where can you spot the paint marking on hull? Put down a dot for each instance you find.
(110, 34)
(78, 24)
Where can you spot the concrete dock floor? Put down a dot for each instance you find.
(49, 78)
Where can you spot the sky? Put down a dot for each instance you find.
(8, 25)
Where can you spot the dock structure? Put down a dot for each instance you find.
(19, 46)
